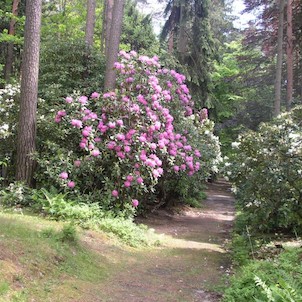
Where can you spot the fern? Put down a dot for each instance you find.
(281, 292)
(266, 290)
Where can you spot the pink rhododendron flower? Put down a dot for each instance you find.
(127, 184)
(153, 146)
(61, 113)
(58, 119)
(160, 170)
(143, 157)
(120, 137)
(176, 168)
(142, 139)
(85, 132)
(121, 155)
(71, 184)
(63, 175)
(111, 145)
(197, 153)
(155, 173)
(95, 152)
(114, 193)
(77, 163)
(68, 99)
(129, 178)
(127, 149)
(135, 203)
(83, 100)
(93, 116)
(129, 80)
(111, 125)
(95, 95)
(203, 114)
(120, 122)
(76, 123)
(82, 145)
(139, 180)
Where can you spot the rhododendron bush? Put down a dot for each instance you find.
(129, 139)
(266, 171)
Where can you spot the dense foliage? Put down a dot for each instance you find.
(68, 66)
(142, 134)
(276, 279)
(265, 170)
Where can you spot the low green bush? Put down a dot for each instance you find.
(85, 214)
(16, 194)
(128, 232)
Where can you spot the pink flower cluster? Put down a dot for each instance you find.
(136, 124)
(64, 176)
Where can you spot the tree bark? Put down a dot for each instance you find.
(107, 22)
(182, 41)
(289, 54)
(10, 47)
(90, 22)
(113, 45)
(277, 104)
(103, 28)
(171, 42)
(26, 145)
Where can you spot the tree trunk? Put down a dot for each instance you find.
(113, 45)
(103, 28)
(107, 23)
(90, 22)
(26, 145)
(289, 54)
(277, 105)
(171, 42)
(10, 47)
(182, 41)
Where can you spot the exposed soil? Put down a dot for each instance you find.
(189, 267)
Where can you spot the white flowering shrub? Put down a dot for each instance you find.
(8, 97)
(266, 171)
(9, 100)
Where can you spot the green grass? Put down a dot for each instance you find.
(40, 256)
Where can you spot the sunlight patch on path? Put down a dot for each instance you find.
(188, 244)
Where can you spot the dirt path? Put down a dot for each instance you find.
(191, 264)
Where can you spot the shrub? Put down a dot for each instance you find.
(123, 142)
(66, 66)
(15, 195)
(9, 108)
(283, 272)
(57, 206)
(266, 170)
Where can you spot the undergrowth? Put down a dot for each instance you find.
(58, 206)
(265, 271)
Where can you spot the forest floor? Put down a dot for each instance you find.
(190, 265)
